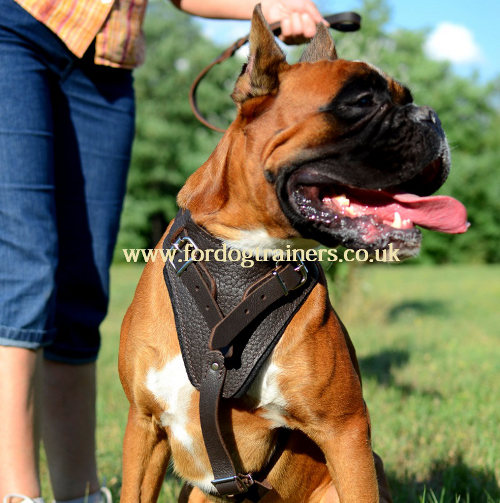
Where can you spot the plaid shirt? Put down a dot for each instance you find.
(114, 24)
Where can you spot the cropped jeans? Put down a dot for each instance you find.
(66, 129)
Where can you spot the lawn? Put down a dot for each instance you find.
(429, 347)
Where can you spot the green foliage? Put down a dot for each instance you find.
(170, 143)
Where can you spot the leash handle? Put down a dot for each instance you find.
(343, 21)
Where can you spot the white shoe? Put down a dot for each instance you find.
(106, 496)
(24, 499)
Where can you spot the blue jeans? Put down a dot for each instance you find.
(66, 129)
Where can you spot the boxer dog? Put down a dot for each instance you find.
(323, 151)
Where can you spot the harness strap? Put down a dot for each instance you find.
(259, 489)
(226, 480)
(279, 283)
(201, 287)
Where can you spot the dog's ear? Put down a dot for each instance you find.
(321, 46)
(206, 190)
(259, 76)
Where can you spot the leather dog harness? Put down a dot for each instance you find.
(228, 320)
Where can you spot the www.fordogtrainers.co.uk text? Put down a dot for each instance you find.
(247, 258)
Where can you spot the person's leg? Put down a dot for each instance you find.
(32, 61)
(18, 430)
(28, 248)
(69, 428)
(93, 134)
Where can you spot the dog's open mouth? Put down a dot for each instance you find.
(371, 219)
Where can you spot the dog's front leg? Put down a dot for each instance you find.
(322, 387)
(340, 426)
(146, 453)
(336, 419)
(350, 461)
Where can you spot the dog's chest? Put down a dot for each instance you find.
(174, 392)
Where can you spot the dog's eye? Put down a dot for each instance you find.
(364, 100)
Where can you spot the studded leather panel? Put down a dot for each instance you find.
(259, 338)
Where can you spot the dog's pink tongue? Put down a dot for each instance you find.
(438, 213)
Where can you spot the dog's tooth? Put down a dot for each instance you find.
(342, 200)
(397, 221)
(406, 223)
(347, 210)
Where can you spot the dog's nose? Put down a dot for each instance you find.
(427, 114)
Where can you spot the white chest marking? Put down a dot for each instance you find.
(171, 387)
(265, 389)
(256, 241)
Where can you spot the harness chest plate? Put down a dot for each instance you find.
(229, 282)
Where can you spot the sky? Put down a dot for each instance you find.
(467, 33)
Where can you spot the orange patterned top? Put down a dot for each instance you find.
(114, 24)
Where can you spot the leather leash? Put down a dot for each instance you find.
(344, 21)
(224, 333)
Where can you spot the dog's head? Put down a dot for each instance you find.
(326, 149)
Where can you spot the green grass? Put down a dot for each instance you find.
(428, 343)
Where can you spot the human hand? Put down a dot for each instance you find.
(298, 18)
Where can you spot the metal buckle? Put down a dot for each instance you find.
(278, 277)
(177, 246)
(301, 268)
(244, 481)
